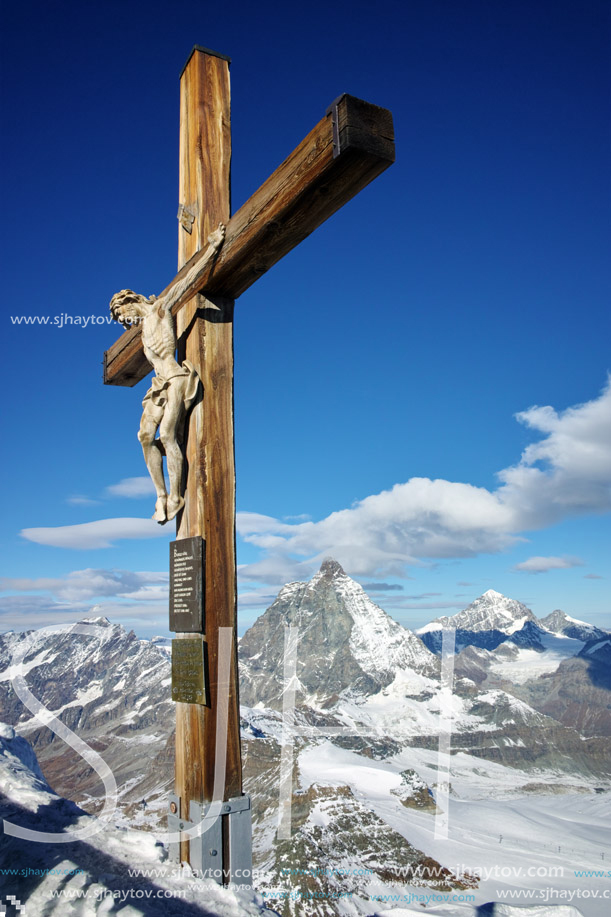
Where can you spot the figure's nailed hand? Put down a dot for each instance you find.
(217, 237)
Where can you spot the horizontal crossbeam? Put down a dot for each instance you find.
(346, 150)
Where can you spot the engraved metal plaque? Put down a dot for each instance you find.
(187, 565)
(188, 671)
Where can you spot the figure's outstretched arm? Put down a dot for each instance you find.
(215, 241)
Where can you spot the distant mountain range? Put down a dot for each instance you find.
(531, 702)
(493, 619)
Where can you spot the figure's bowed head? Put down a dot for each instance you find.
(129, 308)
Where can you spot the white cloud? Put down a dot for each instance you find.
(567, 473)
(545, 564)
(276, 569)
(149, 593)
(29, 612)
(386, 532)
(153, 616)
(132, 487)
(81, 585)
(131, 598)
(98, 534)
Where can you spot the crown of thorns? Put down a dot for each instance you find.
(124, 298)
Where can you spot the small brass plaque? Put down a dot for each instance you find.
(188, 671)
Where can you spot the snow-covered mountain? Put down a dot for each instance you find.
(562, 624)
(502, 626)
(491, 611)
(345, 642)
(487, 622)
(369, 796)
(109, 687)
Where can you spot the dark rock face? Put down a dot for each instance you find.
(577, 694)
(483, 639)
(324, 667)
(528, 637)
(472, 663)
(346, 642)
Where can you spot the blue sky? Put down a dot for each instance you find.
(421, 387)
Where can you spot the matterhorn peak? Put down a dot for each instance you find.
(345, 642)
(331, 568)
(493, 594)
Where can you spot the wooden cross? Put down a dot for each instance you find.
(350, 146)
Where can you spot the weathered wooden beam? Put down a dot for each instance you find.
(205, 337)
(346, 150)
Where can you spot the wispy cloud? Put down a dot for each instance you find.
(80, 500)
(29, 612)
(99, 534)
(592, 576)
(423, 595)
(399, 603)
(81, 585)
(276, 569)
(382, 587)
(132, 488)
(131, 598)
(566, 474)
(257, 598)
(545, 564)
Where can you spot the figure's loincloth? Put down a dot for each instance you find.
(157, 394)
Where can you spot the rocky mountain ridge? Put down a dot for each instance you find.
(345, 642)
(560, 623)
(357, 670)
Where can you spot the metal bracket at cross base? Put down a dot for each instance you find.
(206, 850)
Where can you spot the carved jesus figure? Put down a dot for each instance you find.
(173, 390)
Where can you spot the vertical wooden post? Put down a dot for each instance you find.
(205, 337)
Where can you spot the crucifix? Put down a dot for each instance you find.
(219, 257)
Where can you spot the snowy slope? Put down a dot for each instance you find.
(498, 839)
(82, 878)
(519, 664)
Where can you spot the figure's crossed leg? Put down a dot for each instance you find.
(153, 456)
(174, 506)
